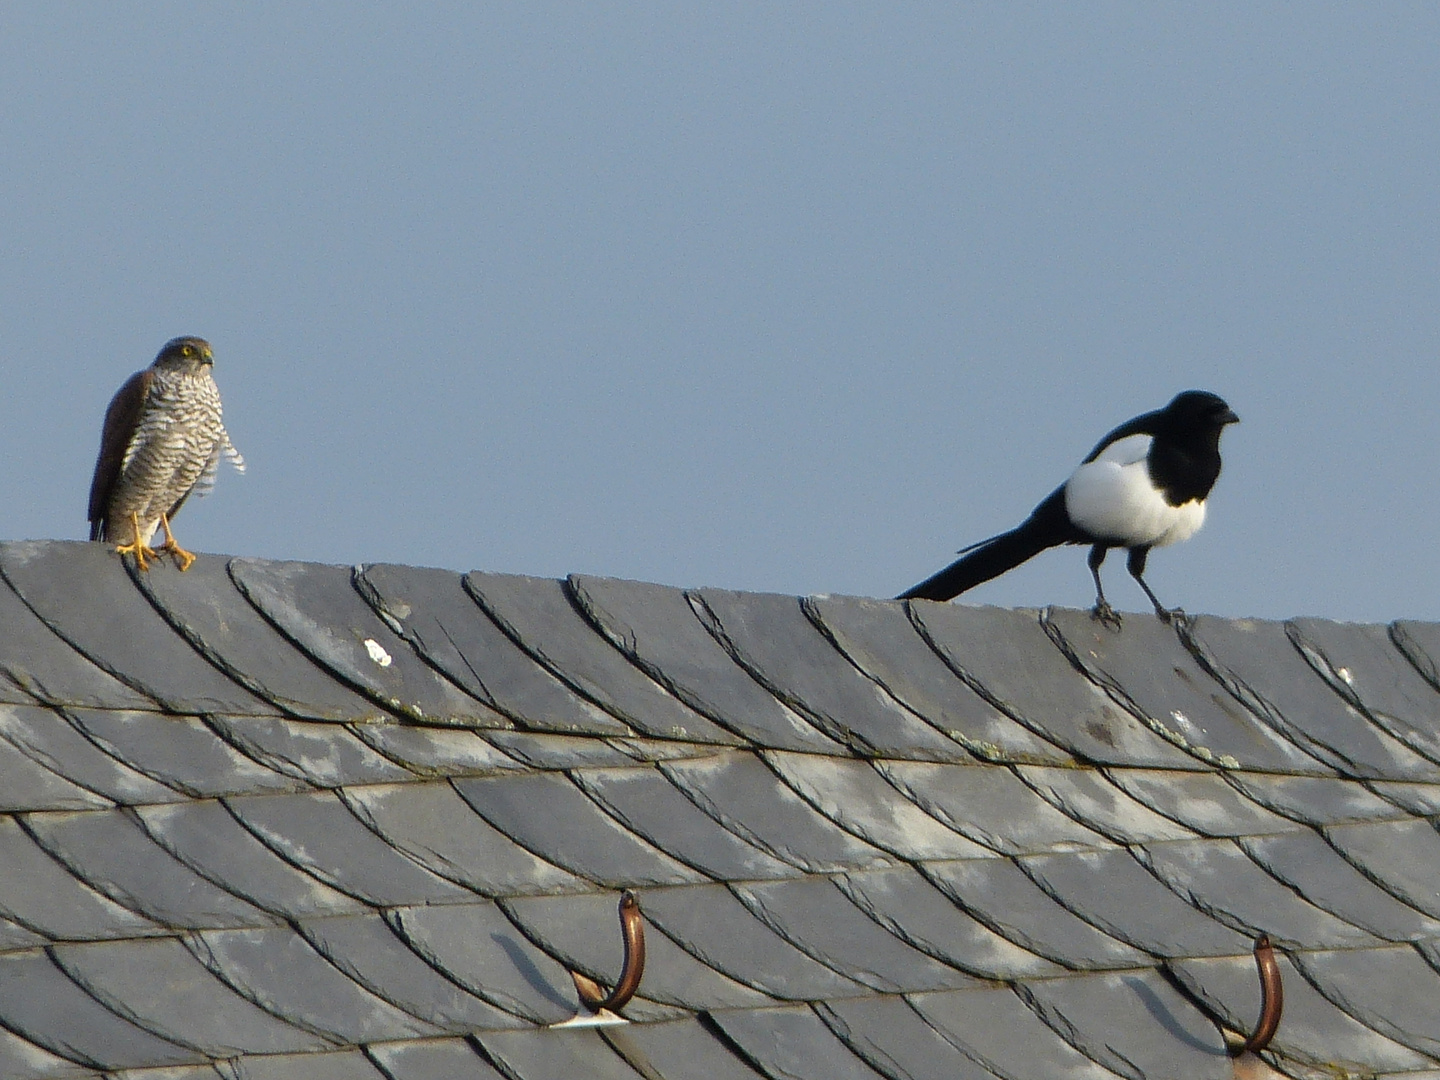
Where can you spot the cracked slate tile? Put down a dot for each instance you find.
(1393, 991)
(573, 833)
(42, 895)
(325, 755)
(678, 1050)
(436, 827)
(1421, 800)
(1257, 663)
(41, 1004)
(878, 638)
(996, 1029)
(1315, 801)
(321, 613)
(1148, 671)
(656, 628)
(1111, 890)
(536, 613)
(431, 1059)
(541, 751)
(1204, 802)
(997, 893)
(711, 924)
(432, 610)
(897, 1041)
(792, 1043)
(336, 1065)
(429, 751)
(855, 796)
(1134, 1023)
(814, 915)
(1312, 1031)
(84, 594)
(771, 638)
(739, 792)
(29, 785)
(648, 804)
(544, 1055)
(279, 971)
(1218, 878)
(1006, 658)
(583, 933)
(988, 804)
(204, 607)
(46, 737)
(365, 948)
(478, 947)
(918, 913)
(1087, 796)
(1399, 856)
(108, 851)
(208, 839)
(21, 1059)
(159, 986)
(316, 832)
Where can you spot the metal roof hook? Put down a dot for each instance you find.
(1272, 997)
(605, 1007)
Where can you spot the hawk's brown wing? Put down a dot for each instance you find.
(121, 420)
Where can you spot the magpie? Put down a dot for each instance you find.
(1143, 486)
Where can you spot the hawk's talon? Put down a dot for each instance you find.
(137, 547)
(183, 557)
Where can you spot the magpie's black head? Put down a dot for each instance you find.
(1195, 411)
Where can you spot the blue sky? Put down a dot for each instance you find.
(776, 297)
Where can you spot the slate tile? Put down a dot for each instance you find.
(177, 751)
(915, 911)
(1147, 670)
(1303, 861)
(573, 833)
(47, 738)
(317, 833)
(176, 1072)
(990, 805)
(678, 1050)
(108, 851)
(161, 987)
(434, 826)
(325, 755)
(429, 751)
(1419, 643)
(855, 795)
(14, 936)
(1218, 878)
(740, 793)
(1089, 797)
(1135, 1024)
(543, 1055)
(84, 594)
(432, 610)
(40, 894)
(540, 751)
(650, 751)
(1109, 889)
(204, 607)
(41, 1004)
(1005, 657)
(996, 1029)
(208, 839)
(878, 638)
(814, 916)
(1204, 801)
(277, 970)
(657, 629)
(21, 1059)
(1259, 666)
(431, 1059)
(1312, 1031)
(1390, 990)
(1422, 800)
(792, 1042)
(1315, 801)
(771, 638)
(893, 1038)
(583, 933)
(538, 616)
(714, 927)
(1399, 856)
(337, 1065)
(29, 785)
(478, 947)
(997, 893)
(366, 949)
(318, 610)
(646, 803)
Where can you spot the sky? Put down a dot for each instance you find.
(793, 298)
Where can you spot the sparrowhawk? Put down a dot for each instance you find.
(162, 443)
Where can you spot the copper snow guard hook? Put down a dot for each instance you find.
(632, 929)
(1272, 998)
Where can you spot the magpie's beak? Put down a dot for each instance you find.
(1228, 417)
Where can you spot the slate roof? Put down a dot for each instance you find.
(268, 820)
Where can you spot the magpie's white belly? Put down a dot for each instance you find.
(1112, 499)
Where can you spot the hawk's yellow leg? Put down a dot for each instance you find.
(183, 557)
(138, 547)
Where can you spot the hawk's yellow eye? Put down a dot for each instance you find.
(187, 350)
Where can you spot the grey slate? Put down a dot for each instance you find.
(1394, 991)
(29, 785)
(1315, 801)
(338, 1065)
(771, 637)
(84, 594)
(21, 1059)
(1205, 802)
(431, 1059)
(678, 1050)
(432, 610)
(792, 1042)
(316, 608)
(532, 1055)
(1090, 797)
(878, 637)
(427, 751)
(45, 736)
(543, 751)
(1399, 856)
(1422, 800)
(657, 629)
(323, 755)
(536, 613)
(894, 1039)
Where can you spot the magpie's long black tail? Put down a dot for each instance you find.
(1048, 526)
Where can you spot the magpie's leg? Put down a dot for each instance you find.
(1102, 609)
(1136, 565)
